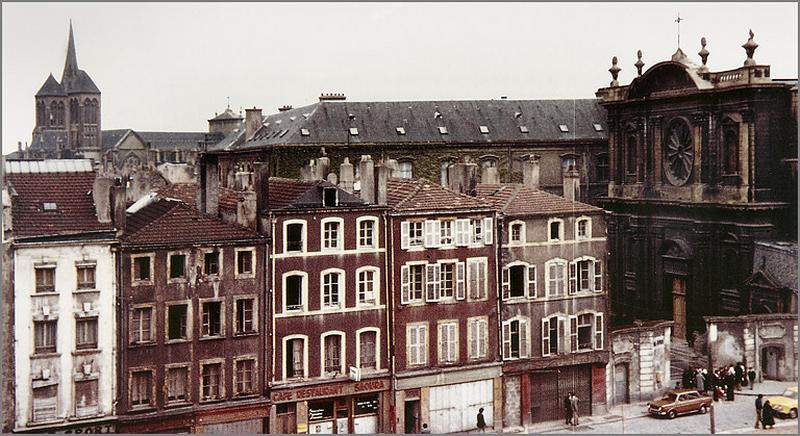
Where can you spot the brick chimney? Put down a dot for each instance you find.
(346, 176)
(572, 184)
(208, 201)
(261, 183)
(101, 194)
(367, 178)
(530, 171)
(252, 122)
(118, 206)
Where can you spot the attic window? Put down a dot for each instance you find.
(484, 129)
(437, 115)
(517, 114)
(597, 127)
(304, 132)
(563, 128)
(306, 116)
(278, 121)
(354, 131)
(49, 206)
(443, 130)
(284, 132)
(400, 130)
(292, 118)
(524, 129)
(329, 197)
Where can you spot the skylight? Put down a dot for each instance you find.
(563, 128)
(597, 127)
(484, 129)
(400, 130)
(49, 206)
(523, 129)
(304, 132)
(284, 132)
(292, 118)
(278, 121)
(354, 131)
(437, 115)
(443, 130)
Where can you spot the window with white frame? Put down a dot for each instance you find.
(177, 266)
(244, 262)
(554, 335)
(294, 232)
(411, 234)
(432, 233)
(332, 284)
(332, 352)
(583, 228)
(462, 232)
(476, 279)
(515, 338)
(44, 340)
(294, 291)
(586, 332)
(141, 268)
(211, 263)
(45, 278)
(211, 381)
(555, 229)
(481, 230)
(432, 284)
(447, 280)
(177, 322)
(478, 337)
(412, 280)
(367, 282)
(368, 349)
(519, 280)
(405, 169)
(586, 275)
(516, 233)
(141, 388)
(446, 233)
(448, 342)
(555, 277)
(332, 234)
(177, 380)
(245, 316)
(294, 356)
(86, 333)
(417, 344)
(245, 376)
(212, 316)
(86, 274)
(367, 232)
(141, 325)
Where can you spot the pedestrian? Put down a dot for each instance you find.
(425, 429)
(767, 415)
(738, 374)
(751, 375)
(574, 406)
(744, 373)
(481, 421)
(730, 381)
(687, 378)
(699, 382)
(759, 408)
(568, 409)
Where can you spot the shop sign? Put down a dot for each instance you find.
(333, 390)
(90, 429)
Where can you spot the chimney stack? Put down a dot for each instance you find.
(118, 205)
(346, 176)
(246, 210)
(322, 169)
(489, 175)
(530, 171)
(462, 177)
(209, 186)
(252, 121)
(101, 194)
(261, 183)
(384, 172)
(367, 178)
(572, 184)
(394, 168)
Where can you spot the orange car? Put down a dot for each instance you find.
(679, 402)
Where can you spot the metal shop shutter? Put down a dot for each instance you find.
(454, 408)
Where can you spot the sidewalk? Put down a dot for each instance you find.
(778, 425)
(767, 388)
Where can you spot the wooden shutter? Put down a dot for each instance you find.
(422, 338)
(598, 331)
(472, 338)
(573, 277)
(545, 337)
(462, 232)
(432, 282)
(411, 345)
(483, 331)
(405, 286)
(487, 231)
(481, 279)
(432, 233)
(452, 343)
(442, 341)
(531, 281)
(562, 339)
(523, 338)
(460, 291)
(506, 340)
(573, 334)
(472, 277)
(506, 283)
(404, 230)
(598, 276)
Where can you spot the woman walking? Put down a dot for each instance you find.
(768, 415)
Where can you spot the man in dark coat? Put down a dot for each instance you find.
(481, 421)
(568, 409)
(768, 415)
(730, 381)
(738, 372)
(759, 408)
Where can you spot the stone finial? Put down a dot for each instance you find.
(639, 64)
(703, 53)
(750, 47)
(614, 70)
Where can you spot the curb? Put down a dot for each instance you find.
(751, 430)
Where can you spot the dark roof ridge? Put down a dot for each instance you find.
(513, 195)
(174, 203)
(411, 195)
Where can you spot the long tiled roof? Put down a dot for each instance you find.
(294, 193)
(175, 222)
(171, 140)
(424, 195)
(518, 199)
(68, 193)
(187, 193)
(468, 121)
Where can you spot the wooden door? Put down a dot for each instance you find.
(679, 307)
(621, 383)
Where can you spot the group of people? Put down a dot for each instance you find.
(571, 409)
(765, 414)
(723, 382)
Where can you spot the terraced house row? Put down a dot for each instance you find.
(298, 306)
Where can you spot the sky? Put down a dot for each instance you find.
(172, 66)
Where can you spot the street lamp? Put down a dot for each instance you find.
(711, 338)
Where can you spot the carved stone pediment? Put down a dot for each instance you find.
(772, 331)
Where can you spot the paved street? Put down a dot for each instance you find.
(731, 417)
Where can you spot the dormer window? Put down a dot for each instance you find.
(443, 130)
(330, 197)
(304, 132)
(523, 129)
(563, 128)
(354, 131)
(400, 130)
(597, 127)
(484, 129)
(49, 206)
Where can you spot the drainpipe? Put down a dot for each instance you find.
(388, 235)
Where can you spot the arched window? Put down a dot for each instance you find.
(405, 169)
(601, 167)
(60, 113)
(73, 111)
(54, 113)
(41, 113)
(443, 166)
(730, 141)
(630, 155)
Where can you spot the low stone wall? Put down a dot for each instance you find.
(639, 368)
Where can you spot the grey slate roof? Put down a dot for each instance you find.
(172, 140)
(778, 259)
(228, 114)
(51, 88)
(80, 83)
(47, 141)
(112, 137)
(328, 122)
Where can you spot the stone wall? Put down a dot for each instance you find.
(511, 401)
(643, 352)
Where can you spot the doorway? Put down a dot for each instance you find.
(769, 362)
(621, 394)
(412, 424)
(679, 307)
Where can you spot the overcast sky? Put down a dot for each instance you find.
(171, 66)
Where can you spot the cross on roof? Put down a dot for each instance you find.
(678, 20)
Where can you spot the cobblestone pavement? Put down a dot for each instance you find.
(731, 417)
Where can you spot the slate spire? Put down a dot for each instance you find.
(71, 64)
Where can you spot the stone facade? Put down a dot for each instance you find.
(639, 368)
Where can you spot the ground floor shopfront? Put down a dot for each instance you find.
(106, 424)
(345, 407)
(448, 401)
(239, 419)
(534, 392)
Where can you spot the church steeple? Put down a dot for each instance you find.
(71, 64)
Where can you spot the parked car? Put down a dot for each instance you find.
(679, 402)
(785, 405)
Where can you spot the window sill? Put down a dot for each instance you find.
(211, 400)
(142, 344)
(45, 294)
(95, 415)
(177, 403)
(177, 280)
(177, 341)
(211, 338)
(142, 283)
(245, 334)
(85, 351)
(86, 291)
(45, 355)
(41, 423)
(145, 408)
(245, 396)
(245, 276)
